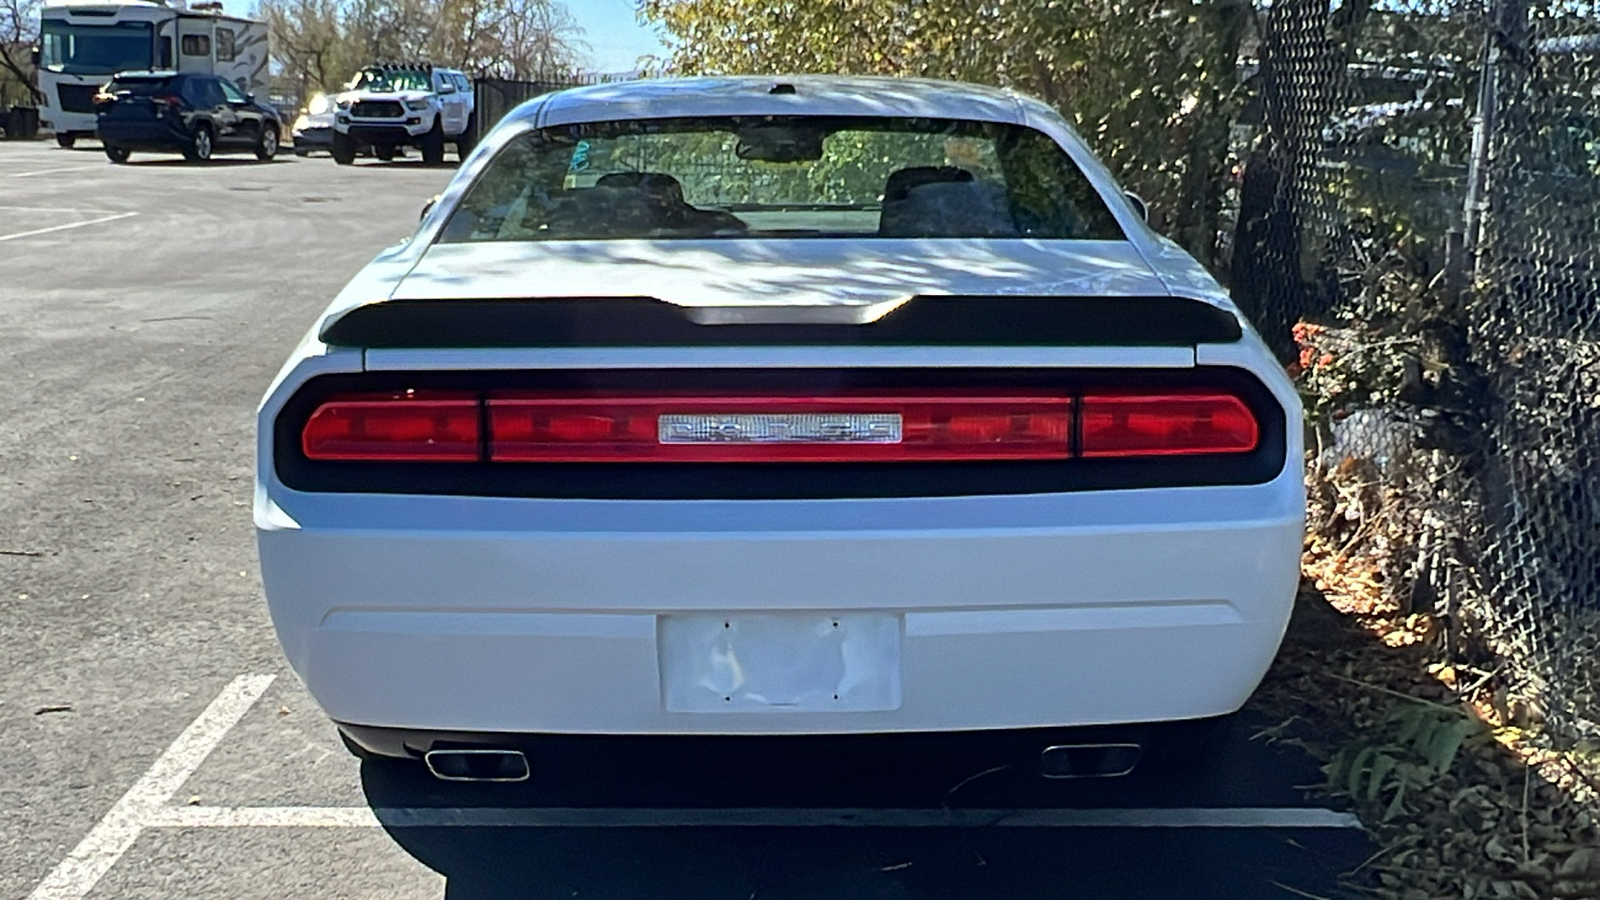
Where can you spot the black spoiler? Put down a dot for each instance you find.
(933, 320)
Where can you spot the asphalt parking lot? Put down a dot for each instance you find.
(161, 748)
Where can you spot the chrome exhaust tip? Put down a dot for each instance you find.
(477, 765)
(1089, 760)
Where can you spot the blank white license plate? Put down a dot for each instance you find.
(780, 662)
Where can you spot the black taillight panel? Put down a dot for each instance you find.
(779, 480)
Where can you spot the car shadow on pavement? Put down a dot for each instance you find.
(629, 780)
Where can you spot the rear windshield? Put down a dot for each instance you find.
(792, 177)
(141, 87)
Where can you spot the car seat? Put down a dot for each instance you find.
(943, 201)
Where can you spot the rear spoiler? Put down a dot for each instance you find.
(929, 320)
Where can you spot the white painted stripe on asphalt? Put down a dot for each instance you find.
(145, 806)
(763, 817)
(58, 209)
(23, 234)
(51, 171)
(113, 835)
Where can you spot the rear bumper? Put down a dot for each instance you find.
(539, 616)
(142, 136)
(730, 754)
(313, 138)
(64, 122)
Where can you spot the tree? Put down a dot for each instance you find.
(19, 31)
(534, 39)
(320, 44)
(309, 43)
(1153, 84)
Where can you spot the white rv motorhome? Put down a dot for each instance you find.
(83, 42)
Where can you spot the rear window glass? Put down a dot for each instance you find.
(141, 87)
(791, 177)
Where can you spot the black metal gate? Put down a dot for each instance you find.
(496, 97)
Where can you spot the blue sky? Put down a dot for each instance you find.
(615, 38)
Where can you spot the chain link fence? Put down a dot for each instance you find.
(1418, 206)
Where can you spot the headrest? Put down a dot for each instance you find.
(946, 201)
(902, 181)
(657, 184)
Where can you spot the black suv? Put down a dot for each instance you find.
(191, 113)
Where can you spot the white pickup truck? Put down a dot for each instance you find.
(388, 107)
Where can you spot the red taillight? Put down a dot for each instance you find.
(866, 428)
(411, 426)
(1172, 424)
(422, 426)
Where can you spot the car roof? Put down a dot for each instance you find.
(753, 95)
(148, 73)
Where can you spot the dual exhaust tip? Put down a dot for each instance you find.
(477, 765)
(1089, 760)
(1061, 761)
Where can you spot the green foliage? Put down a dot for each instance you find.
(1153, 85)
(1421, 746)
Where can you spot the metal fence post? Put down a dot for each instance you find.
(1505, 30)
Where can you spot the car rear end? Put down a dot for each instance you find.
(313, 128)
(788, 487)
(142, 111)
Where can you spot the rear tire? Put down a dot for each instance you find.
(432, 145)
(118, 154)
(65, 141)
(199, 149)
(267, 146)
(384, 152)
(343, 149)
(468, 138)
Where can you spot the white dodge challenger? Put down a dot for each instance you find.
(777, 406)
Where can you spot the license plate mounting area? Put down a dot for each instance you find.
(780, 662)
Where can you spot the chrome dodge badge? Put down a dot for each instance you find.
(788, 428)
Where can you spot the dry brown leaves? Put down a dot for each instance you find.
(1509, 819)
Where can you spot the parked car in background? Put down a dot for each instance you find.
(778, 406)
(84, 42)
(313, 129)
(196, 115)
(416, 105)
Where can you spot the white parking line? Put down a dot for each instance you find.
(23, 234)
(51, 171)
(57, 209)
(107, 841)
(146, 805)
(761, 817)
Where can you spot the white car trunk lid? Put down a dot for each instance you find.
(805, 277)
